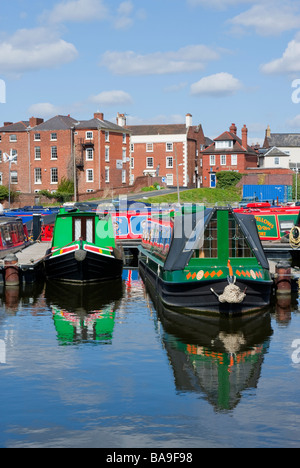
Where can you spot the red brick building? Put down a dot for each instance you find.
(96, 151)
(228, 152)
(165, 149)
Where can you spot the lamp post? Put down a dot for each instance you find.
(10, 159)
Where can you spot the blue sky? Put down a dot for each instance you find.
(223, 61)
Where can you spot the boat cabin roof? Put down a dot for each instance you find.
(189, 230)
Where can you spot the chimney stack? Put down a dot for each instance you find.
(121, 120)
(99, 115)
(34, 121)
(188, 120)
(6, 124)
(245, 137)
(233, 128)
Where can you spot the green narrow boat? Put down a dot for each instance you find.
(208, 261)
(83, 248)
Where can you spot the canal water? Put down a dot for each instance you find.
(107, 366)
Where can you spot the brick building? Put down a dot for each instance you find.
(227, 152)
(164, 149)
(96, 151)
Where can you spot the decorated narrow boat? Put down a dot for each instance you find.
(294, 237)
(13, 236)
(208, 261)
(83, 248)
(273, 222)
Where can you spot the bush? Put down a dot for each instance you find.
(228, 179)
(64, 193)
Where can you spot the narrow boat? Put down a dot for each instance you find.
(83, 248)
(294, 236)
(208, 261)
(13, 236)
(273, 222)
(26, 213)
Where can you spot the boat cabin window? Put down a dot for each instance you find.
(238, 245)
(209, 248)
(84, 229)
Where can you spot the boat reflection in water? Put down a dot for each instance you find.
(84, 313)
(219, 358)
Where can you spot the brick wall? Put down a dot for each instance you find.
(47, 160)
(267, 177)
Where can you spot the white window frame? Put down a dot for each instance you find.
(1, 178)
(223, 159)
(132, 163)
(14, 177)
(226, 144)
(89, 135)
(90, 176)
(124, 155)
(107, 175)
(13, 138)
(150, 166)
(37, 175)
(169, 162)
(234, 159)
(149, 147)
(89, 154)
(54, 156)
(106, 136)
(124, 137)
(212, 159)
(37, 153)
(124, 176)
(132, 147)
(170, 179)
(54, 175)
(107, 155)
(37, 137)
(53, 136)
(276, 161)
(169, 147)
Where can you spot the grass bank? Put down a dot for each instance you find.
(202, 195)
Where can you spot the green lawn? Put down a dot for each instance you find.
(203, 195)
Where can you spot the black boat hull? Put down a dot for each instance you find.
(83, 267)
(198, 298)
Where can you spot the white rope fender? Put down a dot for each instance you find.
(294, 237)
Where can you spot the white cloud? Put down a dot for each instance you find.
(111, 98)
(295, 122)
(44, 109)
(186, 59)
(218, 85)
(288, 63)
(219, 4)
(34, 49)
(76, 11)
(268, 18)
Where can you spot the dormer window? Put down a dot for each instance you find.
(227, 144)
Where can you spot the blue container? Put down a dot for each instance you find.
(263, 193)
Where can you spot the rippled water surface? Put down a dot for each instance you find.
(107, 366)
